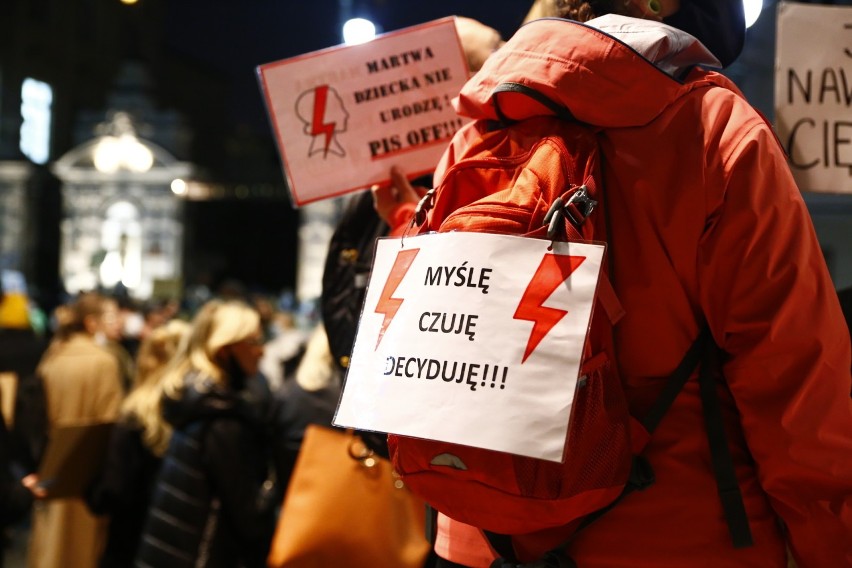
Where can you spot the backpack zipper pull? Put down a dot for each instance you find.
(583, 202)
(577, 209)
(426, 203)
(419, 218)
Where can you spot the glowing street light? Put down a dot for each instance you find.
(178, 186)
(122, 149)
(358, 30)
(752, 11)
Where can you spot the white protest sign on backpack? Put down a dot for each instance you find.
(474, 339)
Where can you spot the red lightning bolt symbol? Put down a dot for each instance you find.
(319, 126)
(387, 304)
(551, 273)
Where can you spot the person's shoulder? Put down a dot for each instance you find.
(81, 344)
(78, 350)
(228, 431)
(728, 120)
(728, 104)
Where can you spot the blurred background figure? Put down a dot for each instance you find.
(15, 499)
(154, 314)
(20, 350)
(232, 289)
(133, 322)
(82, 385)
(265, 307)
(213, 503)
(110, 337)
(478, 40)
(309, 399)
(137, 444)
(283, 350)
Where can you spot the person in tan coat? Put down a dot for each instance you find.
(82, 385)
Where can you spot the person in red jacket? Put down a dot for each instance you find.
(707, 229)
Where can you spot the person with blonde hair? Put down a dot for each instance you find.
(137, 445)
(211, 504)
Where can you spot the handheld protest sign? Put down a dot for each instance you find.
(813, 94)
(344, 116)
(473, 339)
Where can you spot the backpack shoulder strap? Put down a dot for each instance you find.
(676, 381)
(702, 351)
(727, 485)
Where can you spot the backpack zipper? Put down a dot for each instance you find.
(512, 213)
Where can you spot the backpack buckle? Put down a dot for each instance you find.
(576, 210)
(583, 203)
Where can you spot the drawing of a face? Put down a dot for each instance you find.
(323, 115)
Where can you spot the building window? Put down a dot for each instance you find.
(36, 103)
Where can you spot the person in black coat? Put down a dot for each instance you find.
(309, 399)
(20, 350)
(122, 490)
(214, 502)
(15, 499)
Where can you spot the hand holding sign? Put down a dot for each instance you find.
(399, 192)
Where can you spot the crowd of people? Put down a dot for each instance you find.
(192, 463)
(207, 424)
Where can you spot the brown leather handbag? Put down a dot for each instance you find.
(346, 507)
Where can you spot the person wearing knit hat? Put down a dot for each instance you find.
(718, 24)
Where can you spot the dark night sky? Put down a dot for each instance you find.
(234, 37)
(202, 56)
(254, 241)
(228, 39)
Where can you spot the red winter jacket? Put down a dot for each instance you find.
(707, 224)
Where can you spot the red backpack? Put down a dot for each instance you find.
(540, 178)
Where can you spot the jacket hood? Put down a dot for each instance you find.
(613, 71)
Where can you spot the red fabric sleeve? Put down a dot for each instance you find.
(772, 307)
